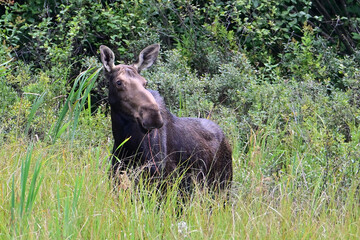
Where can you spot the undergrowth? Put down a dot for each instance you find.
(295, 175)
(62, 191)
(281, 91)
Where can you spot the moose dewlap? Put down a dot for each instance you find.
(170, 146)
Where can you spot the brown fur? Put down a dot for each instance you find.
(168, 145)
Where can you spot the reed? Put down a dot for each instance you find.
(75, 103)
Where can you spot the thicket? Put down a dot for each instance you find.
(280, 77)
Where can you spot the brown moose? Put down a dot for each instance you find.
(195, 148)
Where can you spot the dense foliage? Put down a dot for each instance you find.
(282, 78)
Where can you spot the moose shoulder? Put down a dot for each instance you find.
(166, 144)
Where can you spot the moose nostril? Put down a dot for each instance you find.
(151, 118)
(154, 122)
(159, 123)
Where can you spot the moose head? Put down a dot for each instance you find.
(127, 88)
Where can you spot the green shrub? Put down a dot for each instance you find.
(263, 70)
(182, 89)
(313, 58)
(64, 33)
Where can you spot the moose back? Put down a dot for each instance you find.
(168, 145)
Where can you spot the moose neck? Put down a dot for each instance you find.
(124, 126)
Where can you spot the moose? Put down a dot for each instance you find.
(147, 134)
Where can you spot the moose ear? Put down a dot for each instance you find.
(147, 57)
(107, 58)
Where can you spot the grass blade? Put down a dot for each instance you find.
(75, 102)
(87, 84)
(38, 101)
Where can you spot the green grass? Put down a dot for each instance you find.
(62, 191)
(75, 103)
(289, 183)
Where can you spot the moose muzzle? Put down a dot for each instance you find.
(150, 117)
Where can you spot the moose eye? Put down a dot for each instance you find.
(118, 83)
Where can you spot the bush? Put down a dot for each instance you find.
(265, 71)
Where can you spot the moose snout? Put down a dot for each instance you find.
(151, 117)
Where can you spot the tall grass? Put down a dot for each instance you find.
(21, 210)
(66, 194)
(75, 103)
(37, 103)
(62, 190)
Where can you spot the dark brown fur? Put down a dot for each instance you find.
(166, 144)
